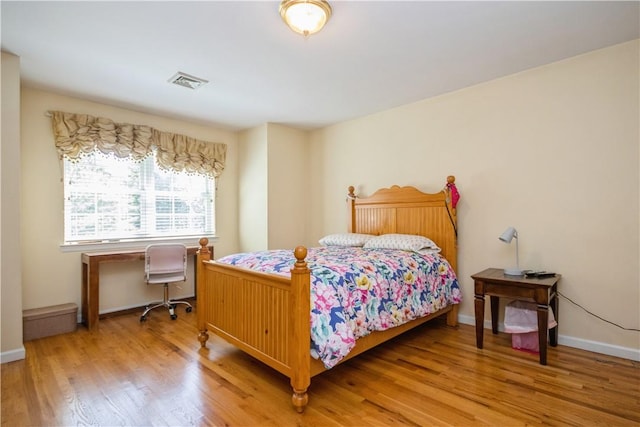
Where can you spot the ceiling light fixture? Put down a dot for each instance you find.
(305, 16)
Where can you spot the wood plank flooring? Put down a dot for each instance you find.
(155, 374)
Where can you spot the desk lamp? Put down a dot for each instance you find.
(508, 235)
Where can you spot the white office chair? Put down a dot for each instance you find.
(165, 263)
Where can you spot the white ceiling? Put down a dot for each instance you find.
(371, 56)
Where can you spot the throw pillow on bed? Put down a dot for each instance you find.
(405, 242)
(345, 239)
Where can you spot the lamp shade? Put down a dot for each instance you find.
(305, 16)
(507, 236)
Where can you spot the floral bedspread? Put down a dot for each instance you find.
(355, 291)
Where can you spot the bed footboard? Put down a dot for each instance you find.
(265, 315)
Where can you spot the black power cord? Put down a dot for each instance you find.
(595, 315)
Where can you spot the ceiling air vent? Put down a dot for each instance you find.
(185, 80)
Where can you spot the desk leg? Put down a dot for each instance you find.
(543, 326)
(84, 309)
(92, 295)
(479, 306)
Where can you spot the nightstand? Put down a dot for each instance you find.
(496, 284)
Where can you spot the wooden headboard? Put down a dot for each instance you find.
(407, 210)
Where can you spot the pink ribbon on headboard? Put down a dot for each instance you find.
(455, 195)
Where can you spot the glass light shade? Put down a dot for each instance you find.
(305, 16)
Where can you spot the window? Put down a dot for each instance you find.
(111, 199)
(115, 191)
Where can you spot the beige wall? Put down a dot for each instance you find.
(273, 187)
(253, 191)
(553, 151)
(52, 276)
(10, 255)
(288, 187)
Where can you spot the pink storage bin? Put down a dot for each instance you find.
(527, 341)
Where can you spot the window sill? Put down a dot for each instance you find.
(130, 244)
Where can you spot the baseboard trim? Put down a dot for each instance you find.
(13, 355)
(582, 344)
(598, 347)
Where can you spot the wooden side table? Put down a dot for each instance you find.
(496, 284)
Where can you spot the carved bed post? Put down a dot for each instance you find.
(301, 329)
(351, 210)
(203, 254)
(452, 316)
(452, 201)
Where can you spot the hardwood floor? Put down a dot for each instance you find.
(155, 374)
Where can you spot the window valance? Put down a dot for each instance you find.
(78, 134)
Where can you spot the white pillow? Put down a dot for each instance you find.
(345, 239)
(405, 242)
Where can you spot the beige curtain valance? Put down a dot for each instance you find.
(78, 134)
(181, 152)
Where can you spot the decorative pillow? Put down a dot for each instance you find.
(405, 242)
(345, 239)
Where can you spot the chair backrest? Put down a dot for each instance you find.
(165, 262)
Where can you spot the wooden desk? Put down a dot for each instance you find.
(91, 278)
(495, 283)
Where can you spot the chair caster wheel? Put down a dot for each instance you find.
(143, 318)
(188, 309)
(174, 316)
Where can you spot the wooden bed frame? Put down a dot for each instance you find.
(267, 315)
